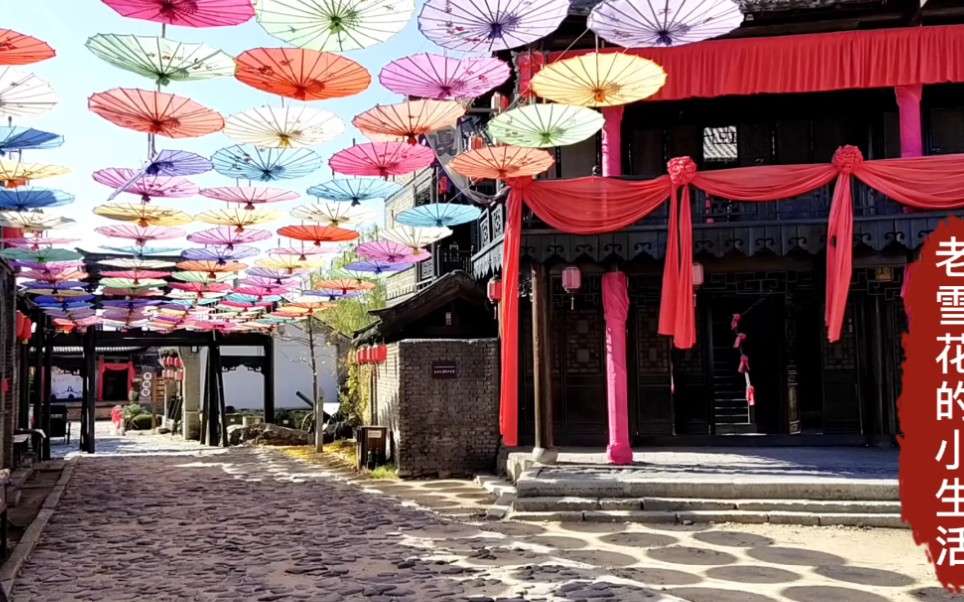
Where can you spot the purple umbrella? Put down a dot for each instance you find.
(221, 255)
(228, 236)
(490, 25)
(261, 281)
(177, 163)
(377, 267)
(276, 276)
(130, 305)
(444, 78)
(331, 295)
(648, 23)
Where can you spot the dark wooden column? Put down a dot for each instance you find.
(23, 388)
(219, 380)
(88, 437)
(205, 402)
(45, 400)
(213, 404)
(541, 364)
(37, 392)
(267, 372)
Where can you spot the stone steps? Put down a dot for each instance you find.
(549, 504)
(884, 520)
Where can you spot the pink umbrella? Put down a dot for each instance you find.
(444, 78)
(301, 251)
(390, 252)
(133, 293)
(140, 235)
(228, 236)
(148, 187)
(136, 275)
(186, 13)
(262, 291)
(261, 282)
(201, 287)
(382, 159)
(250, 195)
(36, 243)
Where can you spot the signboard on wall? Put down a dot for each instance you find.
(444, 370)
(145, 390)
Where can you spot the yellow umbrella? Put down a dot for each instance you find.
(599, 80)
(145, 215)
(29, 221)
(290, 263)
(13, 173)
(238, 217)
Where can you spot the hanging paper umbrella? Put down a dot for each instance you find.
(333, 214)
(490, 25)
(28, 198)
(140, 236)
(51, 267)
(301, 74)
(377, 268)
(201, 288)
(337, 25)
(261, 292)
(240, 298)
(211, 267)
(438, 215)
(155, 113)
(146, 186)
(250, 195)
(29, 221)
(136, 275)
(53, 275)
(177, 163)
(201, 276)
(137, 263)
(332, 295)
(501, 162)
(265, 164)
(160, 59)
(633, 24)
(221, 255)
(444, 78)
(142, 252)
(318, 234)
(408, 120)
(130, 305)
(35, 243)
(289, 263)
(228, 237)
(75, 302)
(71, 315)
(284, 127)
(545, 125)
(390, 252)
(344, 285)
(131, 283)
(144, 215)
(261, 281)
(301, 251)
(56, 288)
(19, 49)
(382, 159)
(238, 217)
(40, 255)
(354, 190)
(415, 238)
(186, 13)
(14, 174)
(599, 80)
(275, 274)
(18, 139)
(23, 94)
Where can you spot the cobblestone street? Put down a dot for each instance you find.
(150, 518)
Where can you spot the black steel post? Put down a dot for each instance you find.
(205, 404)
(90, 394)
(267, 371)
(47, 391)
(214, 403)
(23, 391)
(38, 362)
(222, 407)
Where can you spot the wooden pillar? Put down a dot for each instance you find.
(38, 363)
(214, 404)
(879, 377)
(541, 366)
(23, 388)
(45, 401)
(612, 146)
(205, 402)
(222, 409)
(267, 371)
(88, 436)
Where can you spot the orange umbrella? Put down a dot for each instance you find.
(211, 267)
(19, 49)
(156, 113)
(408, 120)
(318, 234)
(344, 285)
(302, 74)
(501, 162)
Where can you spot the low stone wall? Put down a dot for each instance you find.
(440, 402)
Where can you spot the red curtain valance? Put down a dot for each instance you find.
(880, 58)
(597, 205)
(103, 366)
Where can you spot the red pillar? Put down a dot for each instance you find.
(612, 151)
(908, 107)
(616, 305)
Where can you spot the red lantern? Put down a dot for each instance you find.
(499, 102)
(381, 354)
(572, 282)
(697, 274)
(529, 64)
(495, 290)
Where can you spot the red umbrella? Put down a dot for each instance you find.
(318, 234)
(301, 74)
(186, 13)
(382, 159)
(19, 49)
(156, 113)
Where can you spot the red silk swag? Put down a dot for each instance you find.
(597, 205)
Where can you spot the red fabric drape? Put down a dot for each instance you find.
(879, 58)
(509, 308)
(616, 305)
(103, 367)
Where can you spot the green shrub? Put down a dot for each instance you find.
(132, 409)
(142, 422)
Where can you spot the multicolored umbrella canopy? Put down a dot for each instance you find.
(283, 127)
(415, 238)
(155, 113)
(177, 163)
(300, 250)
(221, 255)
(136, 275)
(23, 94)
(382, 159)
(160, 59)
(490, 25)
(318, 234)
(20, 49)
(250, 195)
(186, 13)
(438, 215)
(649, 23)
(354, 191)
(132, 283)
(408, 120)
(201, 276)
(18, 139)
(390, 252)
(144, 215)
(201, 288)
(501, 162)
(139, 235)
(227, 236)
(333, 214)
(545, 125)
(265, 164)
(599, 80)
(444, 78)
(28, 198)
(238, 217)
(337, 25)
(301, 74)
(342, 283)
(147, 187)
(274, 274)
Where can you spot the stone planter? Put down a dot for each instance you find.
(251, 420)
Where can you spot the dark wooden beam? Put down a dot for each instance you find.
(88, 436)
(23, 390)
(267, 372)
(222, 406)
(541, 362)
(214, 402)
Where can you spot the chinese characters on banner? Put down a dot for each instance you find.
(931, 406)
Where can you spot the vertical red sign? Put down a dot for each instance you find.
(931, 406)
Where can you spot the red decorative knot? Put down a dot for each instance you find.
(682, 170)
(847, 159)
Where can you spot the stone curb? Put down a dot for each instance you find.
(504, 492)
(23, 549)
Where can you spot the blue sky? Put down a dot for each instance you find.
(93, 143)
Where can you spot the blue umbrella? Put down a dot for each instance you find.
(23, 199)
(330, 295)
(377, 267)
(59, 301)
(220, 254)
(438, 215)
(178, 163)
(265, 164)
(240, 298)
(14, 139)
(142, 252)
(354, 190)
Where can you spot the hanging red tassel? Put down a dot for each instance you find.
(744, 365)
(740, 337)
(735, 322)
(750, 396)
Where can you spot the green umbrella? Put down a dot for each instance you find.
(40, 256)
(334, 25)
(161, 59)
(545, 125)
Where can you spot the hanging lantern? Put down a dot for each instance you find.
(499, 102)
(494, 290)
(572, 282)
(697, 274)
(381, 354)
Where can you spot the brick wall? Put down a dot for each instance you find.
(441, 427)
